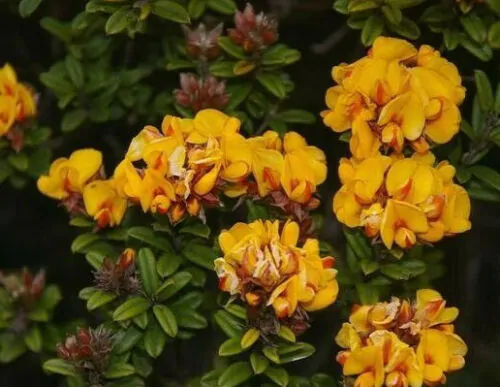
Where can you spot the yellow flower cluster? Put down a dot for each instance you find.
(401, 344)
(191, 161)
(265, 267)
(402, 200)
(17, 100)
(185, 167)
(81, 177)
(395, 96)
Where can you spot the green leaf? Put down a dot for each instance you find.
(231, 48)
(292, 352)
(369, 267)
(131, 381)
(57, 28)
(189, 301)
(199, 276)
(237, 94)
(166, 319)
(482, 52)
(407, 28)
(478, 117)
(154, 340)
(287, 334)
(229, 325)
(259, 363)
(141, 320)
(278, 375)
(341, 6)
(190, 319)
(279, 55)
(487, 175)
(101, 6)
(323, 380)
(373, 28)
(362, 5)
(196, 229)
(148, 236)
(467, 129)
(235, 374)
(237, 311)
(86, 293)
(368, 294)
(297, 116)
(168, 264)
(19, 161)
(39, 162)
(142, 364)
(201, 255)
(27, 7)
(437, 14)
(196, 8)
(146, 262)
(484, 90)
(170, 10)
(273, 83)
(33, 339)
(50, 297)
(75, 71)
(474, 27)
(177, 64)
(272, 354)
(82, 242)
(359, 244)
(179, 280)
(117, 370)
(392, 13)
(494, 35)
(73, 119)
(119, 20)
(100, 298)
(451, 39)
(131, 308)
(481, 191)
(39, 314)
(5, 170)
(128, 340)
(230, 347)
(226, 7)
(223, 69)
(249, 338)
(59, 366)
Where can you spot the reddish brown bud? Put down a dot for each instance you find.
(62, 352)
(126, 259)
(83, 336)
(201, 93)
(201, 43)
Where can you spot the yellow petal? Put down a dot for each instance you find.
(392, 49)
(446, 125)
(207, 182)
(85, 163)
(290, 234)
(325, 297)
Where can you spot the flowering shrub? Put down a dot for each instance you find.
(205, 230)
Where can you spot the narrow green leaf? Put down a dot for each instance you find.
(117, 370)
(146, 264)
(494, 35)
(27, 7)
(196, 8)
(297, 116)
(170, 10)
(86, 293)
(278, 375)
(272, 354)
(229, 325)
(166, 319)
(100, 298)
(33, 339)
(259, 363)
(373, 28)
(368, 294)
(249, 338)
(19, 161)
(484, 90)
(226, 7)
(323, 380)
(201, 255)
(230, 347)
(154, 340)
(82, 242)
(168, 264)
(235, 374)
(147, 235)
(474, 27)
(141, 320)
(292, 352)
(73, 119)
(179, 280)
(237, 94)
(392, 13)
(131, 308)
(75, 71)
(197, 229)
(119, 20)
(128, 341)
(407, 28)
(487, 175)
(273, 83)
(57, 28)
(142, 364)
(287, 334)
(59, 366)
(222, 69)
(480, 51)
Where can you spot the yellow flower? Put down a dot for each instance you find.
(439, 352)
(103, 203)
(401, 344)
(7, 113)
(401, 223)
(237, 158)
(138, 144)
(211, 123)
(267, 162)
(289, 275)
(67, 176)
(395, 96)
(304, 168)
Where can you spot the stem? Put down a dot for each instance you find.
(269, 116)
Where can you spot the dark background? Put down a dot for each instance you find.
(35, 233)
